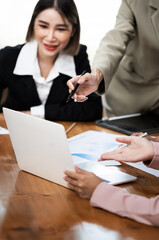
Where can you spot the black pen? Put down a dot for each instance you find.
(73, 91)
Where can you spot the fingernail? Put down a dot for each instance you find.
(84, 98)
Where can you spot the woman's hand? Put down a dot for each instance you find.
(27, 112)
(88, 83)
(150, 138)
(82, 182)
(138, 149)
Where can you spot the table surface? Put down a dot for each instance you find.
(34, 208)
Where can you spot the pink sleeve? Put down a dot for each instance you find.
(155, 161)
(119, 201)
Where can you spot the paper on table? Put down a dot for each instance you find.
(3, 131)
(91, 144)
(141, 166)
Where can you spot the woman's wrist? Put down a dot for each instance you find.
(98, 75)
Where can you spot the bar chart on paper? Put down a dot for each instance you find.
(91, 144)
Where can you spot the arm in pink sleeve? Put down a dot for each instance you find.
(154, 163)
(119, 201)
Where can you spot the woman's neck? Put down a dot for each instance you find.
(46, 63)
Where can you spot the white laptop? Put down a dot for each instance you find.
(42, 149)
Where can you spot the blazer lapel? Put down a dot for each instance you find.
(59, 90)
(155, 16)
(28, 83)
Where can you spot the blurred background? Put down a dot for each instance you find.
(97, 17)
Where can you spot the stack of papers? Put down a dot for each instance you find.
(3, 131)
(141, 166)
(91, 144)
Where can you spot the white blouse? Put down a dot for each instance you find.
(27, 64)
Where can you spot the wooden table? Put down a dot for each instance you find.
(34, 208)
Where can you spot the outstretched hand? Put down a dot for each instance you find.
(82, 182)
(148, 137)
(139, 149)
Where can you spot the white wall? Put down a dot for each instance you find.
(97, 17)
(14, 19)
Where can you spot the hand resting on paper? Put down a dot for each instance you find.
(139, 149)
(103, 195)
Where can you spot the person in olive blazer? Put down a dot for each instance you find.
(128, 60)
(36, 72)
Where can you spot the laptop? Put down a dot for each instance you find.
(41, 148)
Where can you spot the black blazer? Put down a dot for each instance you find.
(22, 92)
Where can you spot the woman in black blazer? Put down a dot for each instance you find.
(36, 72)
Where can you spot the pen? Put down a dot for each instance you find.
(126, 145)
(70, 128)
(73, 91)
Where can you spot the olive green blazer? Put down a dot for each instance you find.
(128, 57)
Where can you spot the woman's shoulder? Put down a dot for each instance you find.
(11, 50)
(8, 57)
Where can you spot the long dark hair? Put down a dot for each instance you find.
(67, 9)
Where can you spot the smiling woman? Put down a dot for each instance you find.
(39, 69)
(101, 18)
(52, 34)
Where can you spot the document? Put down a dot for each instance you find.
(144, 168)
(3, 131)
(91, 144)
